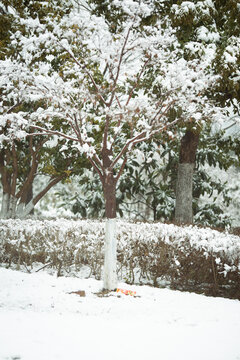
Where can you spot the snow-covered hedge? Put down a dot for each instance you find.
(147, 252)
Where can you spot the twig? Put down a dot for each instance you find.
(87, 72)
(43, 267)
(26, 268)
(137, 81)
(214, 275)
(51, 132)
(119, 67)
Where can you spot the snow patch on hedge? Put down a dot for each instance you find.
(145, 251)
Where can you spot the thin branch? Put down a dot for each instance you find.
(120, 106)
(121, 169)
(230, 126)
(234, 122)
(164, 127)
(51, 132)
(13, 107)
(87, 72)
(15, 171)
(119, 66)
(43, 267)
(95, 157)
(75, 129)
(98, 161)
(78, 130)
(143, 136)
(160, 104)
(105, 134)
(137, 81)
(96, 168)
(118, 101)
(164, 112)
(125, 148)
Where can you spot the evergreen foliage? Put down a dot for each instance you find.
(146, 190)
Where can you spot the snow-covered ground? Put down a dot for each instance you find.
(41, 320)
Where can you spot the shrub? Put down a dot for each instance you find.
(188, 258)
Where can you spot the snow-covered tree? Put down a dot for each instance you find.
(109, 90)
(205, 28)
(23, 157)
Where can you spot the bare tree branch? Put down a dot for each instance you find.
(51, 132)
(96, 168)
(15, 170)
(53, 182)
(164, 127)
(137, 81)
(78, 130)
(160, 114)
(105, 134)
(119, 66)
(13, 107)
(121, 169)
(126, 147)
(87, 72)
(143, 136)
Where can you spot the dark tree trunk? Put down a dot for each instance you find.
(29, 197)
(188, 147)
(184, 186)
(110, 250)
(109, 188)
(109, 185)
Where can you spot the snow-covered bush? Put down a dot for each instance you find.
(184, 257)
(57, 244)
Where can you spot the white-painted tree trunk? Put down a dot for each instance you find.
(23, 211)
(20, 208)
(12, 207)
(183, 210)
(110, 256)
(5, 206)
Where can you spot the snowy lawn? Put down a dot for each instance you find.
(41, 320)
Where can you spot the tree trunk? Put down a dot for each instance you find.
(183, 210)
(26, 205)
(110, 256)
(5, 205)
(24, 210)
(12, 207)
(30, 197)
(184, 186)
(110, 250)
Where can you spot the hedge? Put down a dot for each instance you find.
(185, 258)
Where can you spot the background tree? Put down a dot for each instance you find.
(201, 29)
(24, 158)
